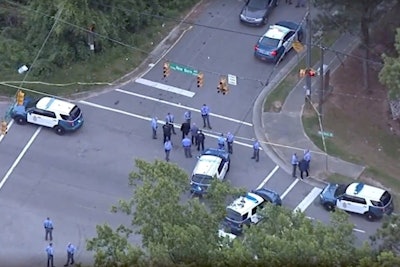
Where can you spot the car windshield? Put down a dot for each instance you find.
(202, 179)
(73, 115)
(265, 41)
(340, 190)
(233, 215)
(385, 198)
(257, 4)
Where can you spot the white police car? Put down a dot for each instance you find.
(50, 112)
(212, 163)
(244, 210)
(359, 198)
(278, 40)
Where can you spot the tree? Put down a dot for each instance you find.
(390, 73)
(179, 230)
(355, 17)
(176, 229)
(388, 236)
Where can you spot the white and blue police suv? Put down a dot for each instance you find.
(60, 115)
(371, 201)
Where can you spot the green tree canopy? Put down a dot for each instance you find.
(390, 73)
(179, 230)
(24, 26)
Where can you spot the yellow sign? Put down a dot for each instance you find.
(299, 47)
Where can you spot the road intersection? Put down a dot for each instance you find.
(76, 178)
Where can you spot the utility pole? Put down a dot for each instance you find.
(308, 56)
(322, 82)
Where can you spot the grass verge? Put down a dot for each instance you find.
(283, 89)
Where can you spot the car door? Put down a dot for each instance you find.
(352, 204)
(288, 41)
(42, 117)
(222, 169)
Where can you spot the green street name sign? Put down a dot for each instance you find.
(326, 134)
(183, 69)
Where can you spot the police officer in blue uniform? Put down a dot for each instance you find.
(187, 144)
(70, 254)
(167, 149)
(188, 116)
(50, 255)
(205, 114)
(170, 119)
(48, 228)
(221, 141)
(154, 127)
(256, 150)
(229, 141)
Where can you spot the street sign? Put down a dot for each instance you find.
(326, 134)
(232, 79)
(299, 47)
(182, 68)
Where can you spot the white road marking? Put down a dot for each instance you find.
(289, 188)
(177, 126)
(182, 106)
(26, 147)
(268, 177)
(8, 128)
(165, 87)
(303, 205)
(354, 229)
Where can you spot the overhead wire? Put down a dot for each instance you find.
(188, 23)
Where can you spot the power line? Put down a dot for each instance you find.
(195, 24)
(57, 16)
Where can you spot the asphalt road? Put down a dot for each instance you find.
(76, 178)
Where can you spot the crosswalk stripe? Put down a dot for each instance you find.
(303, 205)
(165, 87)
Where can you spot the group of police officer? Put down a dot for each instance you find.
(197, 136)
(48, 227)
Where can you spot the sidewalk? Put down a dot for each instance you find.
(285, 128)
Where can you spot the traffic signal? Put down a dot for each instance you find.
(200, 79)
(307, 72)
(20, 98)
(3, 127)
(222, 86)
(303, 73)
(166, 69)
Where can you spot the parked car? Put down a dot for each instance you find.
(60, 115)
(244, 210)
(277, 41)
(256, 12)
(371, 201)
(211, 164)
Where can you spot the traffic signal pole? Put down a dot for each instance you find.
(308, 55)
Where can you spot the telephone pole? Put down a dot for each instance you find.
(308, 44)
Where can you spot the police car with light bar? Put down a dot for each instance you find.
(371, 201)
(278, 40)
(60, 115)
(212, 163)
(244, 210)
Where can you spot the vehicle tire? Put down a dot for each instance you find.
(329, 206)
(229, 167)
(300, 37)
(20, 120)
(369, 216)
(264, 21)
(59, 130)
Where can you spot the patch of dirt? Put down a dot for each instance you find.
(361, 119)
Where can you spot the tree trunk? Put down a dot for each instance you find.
(365, 36)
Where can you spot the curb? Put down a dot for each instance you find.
(258, 110)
